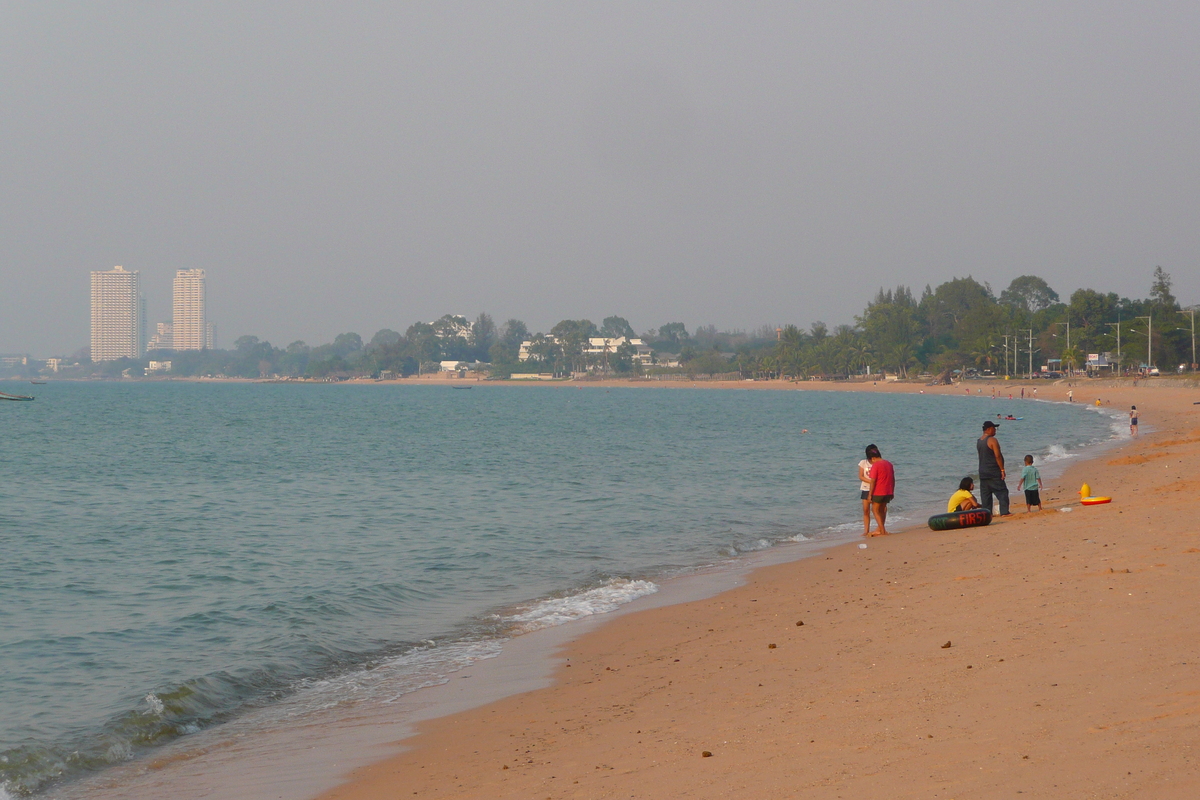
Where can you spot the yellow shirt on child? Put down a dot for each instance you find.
(957, 498)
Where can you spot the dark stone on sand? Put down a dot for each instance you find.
(946, 645)
(798, 624)
(771, 646)
(706, 754)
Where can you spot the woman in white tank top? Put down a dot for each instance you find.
(864, 487)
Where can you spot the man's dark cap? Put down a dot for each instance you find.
(988, 424)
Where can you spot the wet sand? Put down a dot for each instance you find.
(1053, 654)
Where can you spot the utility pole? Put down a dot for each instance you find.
(1006, 336)
(1030, 332)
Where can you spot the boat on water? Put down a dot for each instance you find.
(462, 387)
(7, 396)
(38, 383)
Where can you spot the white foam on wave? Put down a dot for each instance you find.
(1056, 452)
(559, 610)
(4, 795)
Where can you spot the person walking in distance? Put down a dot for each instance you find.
(991, 470)
(1133, 420)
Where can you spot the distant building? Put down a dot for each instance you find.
(523, 353)
(190, 328)
(163, 338)
(602, 347)
(53, 364)
(118, 314)
(159, 366)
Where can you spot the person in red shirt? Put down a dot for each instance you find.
(883, 489)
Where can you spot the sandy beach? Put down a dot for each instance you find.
(1052, 654)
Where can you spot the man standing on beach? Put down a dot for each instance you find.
(991, 469)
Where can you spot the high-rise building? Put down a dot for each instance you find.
(163, 338)
(190, 329)
(117, 311)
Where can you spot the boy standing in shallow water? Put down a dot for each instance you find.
(883, 489)
(1031, 482)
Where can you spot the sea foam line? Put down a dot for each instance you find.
(559, 610)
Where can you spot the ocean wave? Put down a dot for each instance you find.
(559, 610)
(1056, 452)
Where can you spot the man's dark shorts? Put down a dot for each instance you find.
(882, 498)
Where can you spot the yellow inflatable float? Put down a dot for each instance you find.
(1085, 497)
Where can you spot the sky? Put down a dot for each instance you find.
(354, 166)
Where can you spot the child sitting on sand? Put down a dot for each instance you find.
(1031, 482)
(963, 500)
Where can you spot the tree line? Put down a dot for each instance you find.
(960, 324)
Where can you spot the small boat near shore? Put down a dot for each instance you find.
(7, 396)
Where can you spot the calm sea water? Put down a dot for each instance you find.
(173, 554)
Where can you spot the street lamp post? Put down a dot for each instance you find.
(1192, 312)
(1149, 341)
(1117, 325)
(1068, 324)
(1006, 338)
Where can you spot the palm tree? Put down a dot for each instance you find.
(1071, 357)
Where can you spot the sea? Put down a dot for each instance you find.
(176, 557)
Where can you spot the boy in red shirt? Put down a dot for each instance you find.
(883, 488)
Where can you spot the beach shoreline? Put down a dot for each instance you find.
(630, 711)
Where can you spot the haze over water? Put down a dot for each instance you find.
(172, 554)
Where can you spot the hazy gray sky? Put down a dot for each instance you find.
(353, 166)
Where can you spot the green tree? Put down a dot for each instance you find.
(672, 336)
(573, 335)
(346, 343)
(616, 327)
(709, 362)
(511, 336)
(1029, 293)
(1072, 358)
(384, 338)
(891, 328)
(1160, 291)
(483, 336)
